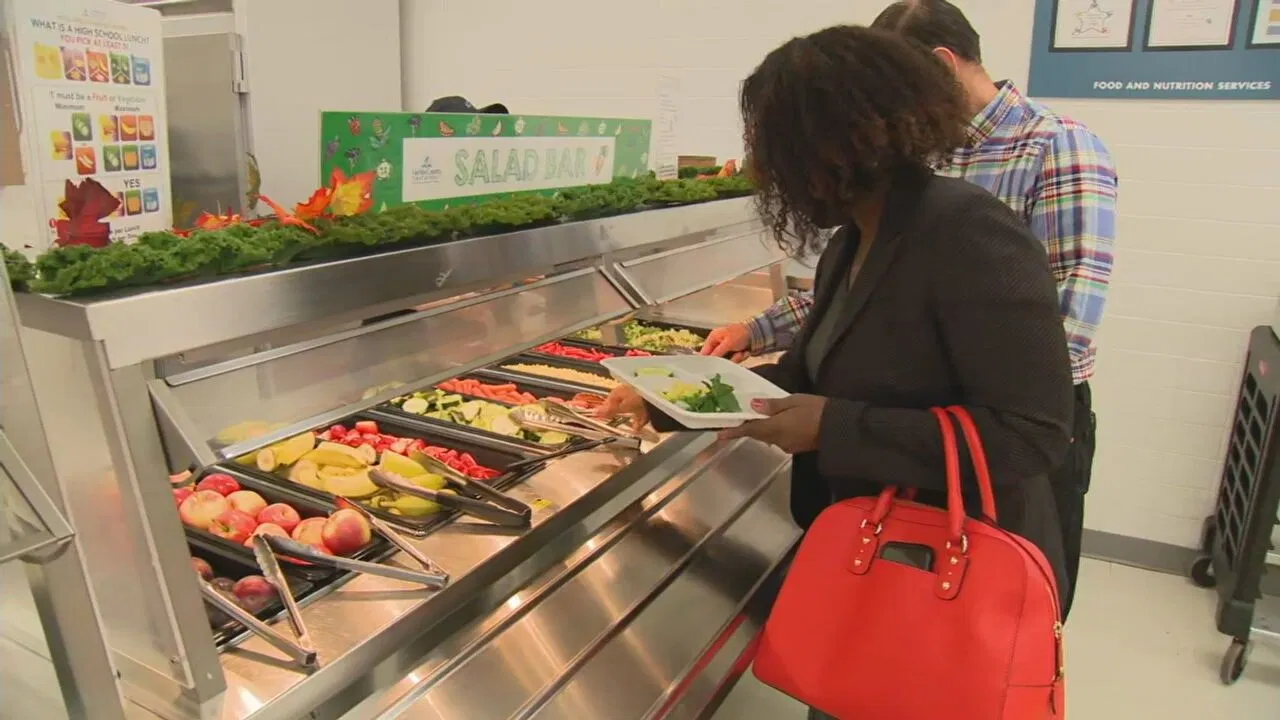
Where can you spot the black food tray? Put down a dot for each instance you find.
(652, 323)
(575, 362)
(496, 370)
(537, 384)
(538, 387)
(533, 448)
(227, 631)
(404, 425)
(307, 506)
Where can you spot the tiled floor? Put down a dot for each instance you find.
(1140, 646)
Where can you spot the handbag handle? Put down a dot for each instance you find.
(951, 460)
(978, 454)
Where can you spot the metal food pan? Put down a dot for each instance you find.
(611, 350)
(537, 385)
(403, 425)
(486, 437)
(663, 324)
(496, 370)
(307, 504)
(226, 631)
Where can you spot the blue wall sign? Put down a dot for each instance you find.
(1156, 49)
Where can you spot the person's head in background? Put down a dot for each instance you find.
(460, 105)
(943, 29)
(832, 118)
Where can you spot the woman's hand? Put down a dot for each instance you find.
(624, 400)
(792, 424)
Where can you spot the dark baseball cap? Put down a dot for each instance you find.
(458, 104)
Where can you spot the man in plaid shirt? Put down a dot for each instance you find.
(1052, 171)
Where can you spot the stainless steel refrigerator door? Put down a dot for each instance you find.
(208, 155)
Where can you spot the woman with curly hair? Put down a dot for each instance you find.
(931, 293)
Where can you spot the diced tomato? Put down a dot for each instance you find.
(368, 427)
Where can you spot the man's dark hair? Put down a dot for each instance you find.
(934, 23)
(831, 117)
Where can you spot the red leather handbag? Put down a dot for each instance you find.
(894, 610)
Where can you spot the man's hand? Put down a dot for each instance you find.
(731, 341)
(624, 400)
(792, 424)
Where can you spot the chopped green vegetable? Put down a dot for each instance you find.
(481, 414)
(649, 337)
(712, 396)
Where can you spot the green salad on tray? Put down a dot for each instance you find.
(711, 396)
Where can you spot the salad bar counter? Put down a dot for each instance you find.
(419, 516)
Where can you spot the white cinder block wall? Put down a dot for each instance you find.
(1198, 256)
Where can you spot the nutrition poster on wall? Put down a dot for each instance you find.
(90, 80)
(1157, 49)
(438, 159)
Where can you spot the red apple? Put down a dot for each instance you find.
(221, 483)
(182, 493)
(265, 529)
(233, 525)
(201, 507)
(251, 585)
(281, 514)
(247, 501)
(202, 567)
(309, 531)
(253, 592)
(346, 531)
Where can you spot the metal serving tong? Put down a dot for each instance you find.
(562, 413)
(472, 498)
(294, 549)
(394, 538)
(274, 575)
(304, 656)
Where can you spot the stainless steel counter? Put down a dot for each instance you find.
(630, 596)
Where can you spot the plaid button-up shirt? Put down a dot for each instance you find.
(1054, 173)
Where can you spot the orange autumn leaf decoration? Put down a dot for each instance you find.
(350, 195)
(284, 217)
(209, 221)
(315, 206)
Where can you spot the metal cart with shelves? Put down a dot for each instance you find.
(1237, 538)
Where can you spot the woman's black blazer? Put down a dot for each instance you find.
(954, 304)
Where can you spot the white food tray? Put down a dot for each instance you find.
(694, 369)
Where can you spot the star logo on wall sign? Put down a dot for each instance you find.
(1093, 20)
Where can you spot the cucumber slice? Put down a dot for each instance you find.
(416, 405)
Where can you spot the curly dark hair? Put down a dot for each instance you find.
(832, 116)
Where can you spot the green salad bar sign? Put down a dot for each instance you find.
(437, 159)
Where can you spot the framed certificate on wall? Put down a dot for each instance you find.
(1092, 25)
(1191, 24)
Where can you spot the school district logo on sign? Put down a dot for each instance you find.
(426, 173)
(446, 168)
